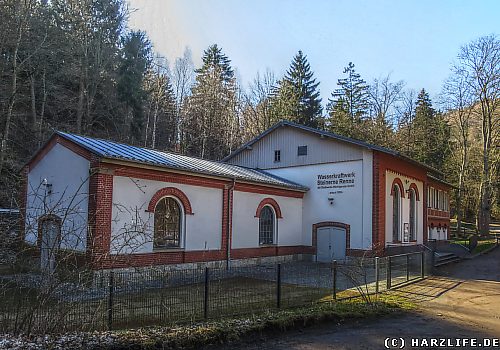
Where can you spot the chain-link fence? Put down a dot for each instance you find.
(39, 303)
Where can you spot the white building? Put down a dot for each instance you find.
(292, 193)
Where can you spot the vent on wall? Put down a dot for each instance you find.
(302, 151)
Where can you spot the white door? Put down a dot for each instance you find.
(331, 244)
(50, 243)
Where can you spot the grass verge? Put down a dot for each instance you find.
(234, 329)
(483, 243)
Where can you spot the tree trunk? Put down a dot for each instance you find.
(42, 108)
(33, 102)
(79, 110)
(12, 99)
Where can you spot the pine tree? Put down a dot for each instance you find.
(297, 95)
(211, 118)
(429, 133)
(348, 107)
(136, 58)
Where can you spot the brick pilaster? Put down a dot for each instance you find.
(100, 209)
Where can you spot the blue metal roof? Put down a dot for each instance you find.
(120, 151)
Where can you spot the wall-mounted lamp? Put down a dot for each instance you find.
(48, 187)
(330, 200)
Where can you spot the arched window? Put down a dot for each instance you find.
(396, 213)
(413, 215)
(168, 215)
(266, 225)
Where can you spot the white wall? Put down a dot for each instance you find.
(132, 227)
(246, 225)
(439, 235)
(351, 205)
(405, 206)
(69, 174)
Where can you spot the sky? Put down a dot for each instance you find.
(414, 41)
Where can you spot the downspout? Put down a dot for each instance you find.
(229, 222)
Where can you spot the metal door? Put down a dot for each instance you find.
(50, 229)
(331, 244)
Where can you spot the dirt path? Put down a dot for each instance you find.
(463, 302)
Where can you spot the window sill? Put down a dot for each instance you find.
(167, 250)
(267, 245)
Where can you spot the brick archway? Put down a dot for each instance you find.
(174, 192)
(414, 188)
(397, 181)
(272, 203)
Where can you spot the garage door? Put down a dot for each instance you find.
(331, 244)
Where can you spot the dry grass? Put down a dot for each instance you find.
(227, 297)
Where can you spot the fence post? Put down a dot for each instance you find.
(334, 279)
(278, 287)
(376, 274)
(205, 300)
(422, 262)
(407, 267)
(110, 299)
(389, 273)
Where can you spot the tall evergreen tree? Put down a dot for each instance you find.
(211, 122)
(297, 95)
(136, 58)
(349, 105)
(429, 133)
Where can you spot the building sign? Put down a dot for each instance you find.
(339, 180)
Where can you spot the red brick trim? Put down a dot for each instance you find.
(362, 253)
(227, 219)
(56, 139)
(437, 185)
(170, 191)
(164, 176)
(246, 253)
(272, 203)
(100, 214)
(318, 225)
(183, 257)
(267, 190)
(414, 188)
(397, 181)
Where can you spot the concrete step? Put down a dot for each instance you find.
(443, 258)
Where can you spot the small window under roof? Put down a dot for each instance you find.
(302, 151)
(277, 156)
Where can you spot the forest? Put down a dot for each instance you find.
(76, 66)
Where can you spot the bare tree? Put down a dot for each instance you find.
(405, 113)
(257, 114)
(21, 13)
(480, 60)
(383, 95)
(183, 76)
(459, 101)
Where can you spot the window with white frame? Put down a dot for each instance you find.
(396, 213)
(266, 225)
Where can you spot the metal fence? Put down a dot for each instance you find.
(33, 303)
